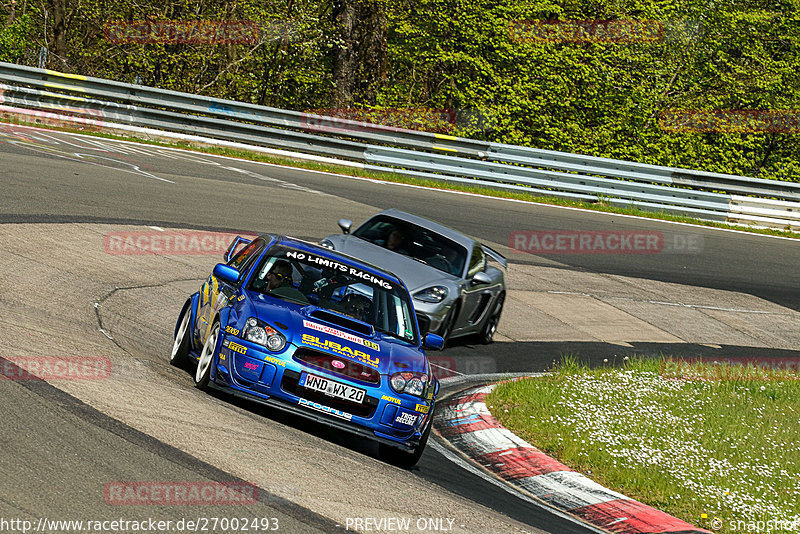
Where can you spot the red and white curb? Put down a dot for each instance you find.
(467, 424)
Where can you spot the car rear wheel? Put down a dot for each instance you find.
(180, 347)
(490, 328)
(203, 374)
(403, 459)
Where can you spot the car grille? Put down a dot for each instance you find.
(365, 409)
(351, 369)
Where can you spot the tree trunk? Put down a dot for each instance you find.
(359, 61)
(59, 46)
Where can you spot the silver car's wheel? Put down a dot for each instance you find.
(448, 323)
(203, 374)
(180, 347)
(490, 328)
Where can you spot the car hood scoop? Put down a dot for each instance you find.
(385, 353)
(337, 320)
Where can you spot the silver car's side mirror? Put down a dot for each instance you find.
(345, 225)
(481, 278)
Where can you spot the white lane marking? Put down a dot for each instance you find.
(568, 489)
(478, 195)
(157, 228)
(448, 369)
(664, 303)
(490, 440)
(82, 158)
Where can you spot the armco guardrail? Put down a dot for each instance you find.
(117, 105)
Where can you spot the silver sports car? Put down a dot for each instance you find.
(458, 284)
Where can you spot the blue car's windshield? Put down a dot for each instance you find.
(310, 278)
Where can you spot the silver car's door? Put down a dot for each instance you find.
(476, 294)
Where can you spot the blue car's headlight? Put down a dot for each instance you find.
(411, 383)
(261, 333)
(433, 294)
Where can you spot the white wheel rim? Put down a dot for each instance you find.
(180, 335)
(207, 355)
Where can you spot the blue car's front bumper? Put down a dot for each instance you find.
(248, 370)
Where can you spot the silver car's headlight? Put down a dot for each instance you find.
(260, 332)
(433, 294)
(327, 243)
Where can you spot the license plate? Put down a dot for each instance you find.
(332, 388)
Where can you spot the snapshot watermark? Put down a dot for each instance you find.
(603, 242)
(755, 526)
(399, 524)
(758, 121)
(587, 31)
(177, 242)
(197, 32)
(22, 368)
(180, 493)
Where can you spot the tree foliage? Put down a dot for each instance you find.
(595, 97)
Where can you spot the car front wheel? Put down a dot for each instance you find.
(403, 459)
(180, 346)
(203, 374)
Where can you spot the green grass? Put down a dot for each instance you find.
(687, 438)
(600, 205)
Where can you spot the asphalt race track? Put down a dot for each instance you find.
(729, 295)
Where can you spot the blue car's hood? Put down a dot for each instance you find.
(298, 322)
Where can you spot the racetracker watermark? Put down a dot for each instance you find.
(180, 493)
(59, 115)
(194, 524)
(586, 31)
(776, 363)
(163, 242)
(334, 120)
(55, 368)
(759, 121)
(447, 366)
(197, 32)
(602, 242)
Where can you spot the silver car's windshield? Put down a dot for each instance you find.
(415, 241)
(309, 278)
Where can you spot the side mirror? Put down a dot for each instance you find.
(226, 273)
(345, 225)
(481, 278)
(433, 342)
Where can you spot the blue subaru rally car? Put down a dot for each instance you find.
(304, 329)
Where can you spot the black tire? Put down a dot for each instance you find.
(179, 356)
(448, 324)
(203, 374)
(486, 335)
(403, 459)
